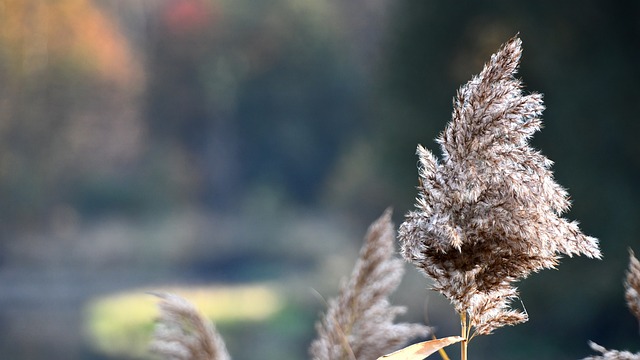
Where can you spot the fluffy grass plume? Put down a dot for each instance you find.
(489, 212)
(632, 295)
(183, 334)
(358, 324)
(632, 285)
(610, 354)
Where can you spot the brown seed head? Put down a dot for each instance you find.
(489, 212)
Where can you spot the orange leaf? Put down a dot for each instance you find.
(421, 350)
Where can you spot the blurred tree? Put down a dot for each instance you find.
(254, 95)
(68, 85)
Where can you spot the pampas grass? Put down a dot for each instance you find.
(488, 213)
(631, 294)
(183, 334)
(610, 354)
(632, 285)
(359, 322)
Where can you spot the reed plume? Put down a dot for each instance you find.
(632, 295)
(358, 324)
(610, 354)
(183, 334)
(488, 213)
(632, 285)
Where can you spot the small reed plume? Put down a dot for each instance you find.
(632, 285)
(183, 334)
(611, 354)
(632, 295)
(488, 213)
(358, 324)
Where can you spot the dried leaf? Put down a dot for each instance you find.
(421, 350)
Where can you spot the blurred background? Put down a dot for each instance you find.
(235, 151)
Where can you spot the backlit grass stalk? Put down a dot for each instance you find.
(359, 322)
(464, 334)
(488, 212)
(182, 333)
(632, 295)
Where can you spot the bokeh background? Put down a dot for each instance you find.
(235, 151)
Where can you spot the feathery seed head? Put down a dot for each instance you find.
(632, 294)
(184, 334)
(359, 323)
(632, 285)
(611, 354)
(489, 212)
